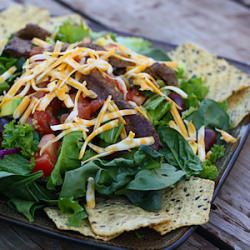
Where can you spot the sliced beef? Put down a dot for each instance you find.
(92, 46)
(119, 63)
(20, 45)
(104, 86)
(32, 30)
(163, 72)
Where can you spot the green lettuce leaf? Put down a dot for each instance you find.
(209, 169)
(77, 212)
(68, 158)
(196, 90)
(70, 32)
(143, 47)
(5, 63)
(211, 115)
(157, 109)
(111, 136)
(178, 152)
(23, 136)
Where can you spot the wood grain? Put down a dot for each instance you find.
(223, 27)
(216, 25)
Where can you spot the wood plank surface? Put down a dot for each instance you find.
(223, 27)
(216, 25)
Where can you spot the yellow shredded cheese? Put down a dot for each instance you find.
(201, 144)
(90, 193)
(102, 112)
(226, 136)
(7, 74)
(125, 144)
(28, 111)
(96, 132)
(21, 107)
(179, 121)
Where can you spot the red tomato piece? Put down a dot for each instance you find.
(135, 96)
(42, 120)
(47, 160)
(87, 107)
(43, 163)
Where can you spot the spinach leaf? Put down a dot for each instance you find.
(211, 115)
(111, 136)
(26, 208)
(23, 186)
(68, 205)
(23, 136)
(24, 193)
(157, 109)
(68, 158)
(148, 200)
(156, 179)
(70, 32)
(147, 158)
(141, 170)
(109, 176)
(16, 164)
(178, 152)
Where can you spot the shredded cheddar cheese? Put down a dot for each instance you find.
(226, 136)
(7, 74)
(201, 144)
(90, 193)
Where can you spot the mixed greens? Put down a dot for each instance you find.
(30, 180)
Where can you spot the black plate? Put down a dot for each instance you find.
(129, 240)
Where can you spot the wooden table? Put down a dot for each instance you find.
(223, 27)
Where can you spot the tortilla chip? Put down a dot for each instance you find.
(17, 16)
(221, 78)
(61, 219)
(54, 22)
(186, 204)
(117, 215)
(239, 106)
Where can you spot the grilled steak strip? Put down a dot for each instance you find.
(104, 86)
(162, 72)
(20, 45)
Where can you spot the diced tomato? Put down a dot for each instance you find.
(87, 107)
(43, 163)
(42, 120)
(47, 160)
(52, 149)
(135, 96)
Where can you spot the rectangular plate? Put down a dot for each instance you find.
(130, 240)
